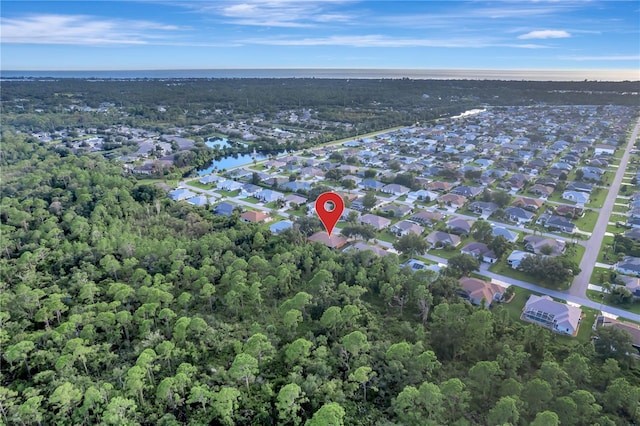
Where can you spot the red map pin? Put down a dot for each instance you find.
(329, 218)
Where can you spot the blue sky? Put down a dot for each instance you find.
(519, 34)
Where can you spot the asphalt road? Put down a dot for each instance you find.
(581, 281)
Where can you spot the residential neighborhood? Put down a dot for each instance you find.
(529, 172)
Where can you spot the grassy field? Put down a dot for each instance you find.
(228, 193)
(620, 209)
(515, 306)
(606, 241)
(577, 253)
(597, 198)
(587, 222)
(197, 184)
(557, 197)
(385, 235)
(503, 268)
(615, 229)
(597, 273)
(596, 296)
(584, 332)
(251, 200)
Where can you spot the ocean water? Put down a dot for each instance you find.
(417, 74)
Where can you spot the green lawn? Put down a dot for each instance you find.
(386, 236)
(587, 222)
(557, 197)
(597, 273)
(596, 296)
(615, 229)
(620, 209)
(251, 200)
(228, 193)
(584, 332)
(515, 306)
(197, 184)
(606, 241)
(597, 198)
(503, 268)
(575, 253)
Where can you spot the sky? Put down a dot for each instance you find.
(158, 34)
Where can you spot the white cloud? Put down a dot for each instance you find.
(277, 13)
(80, 30)
(376, 40)
(544, 34)
(603, 58)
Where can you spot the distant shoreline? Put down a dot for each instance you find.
(336, 73)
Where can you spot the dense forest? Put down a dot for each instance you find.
(372, 104)
(121, 307)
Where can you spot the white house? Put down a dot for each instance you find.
(601, 149)
(559, 317)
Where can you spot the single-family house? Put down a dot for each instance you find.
(568, 211)
(371, 184)
(394, 189)
(200, 200)
(576, 196)
(453, 200)
(633, 233)
(439, 239)
(602, 149)
(355, 179)
(181, 194)
(541, 190)
(278, 227)
(556, 316)
(631, 283)
(254, 217)
(397, 210)
(565, 167)
(516, 257)
(439, 186)
(229, 185)
(405, 227)
(580, 186)
(418, 265)
(484, 208)
(480, 251)
(311, 172)
(632, 329)
(269, 195)
(459, 226)
(334, 241)
(559, 223)
(362, 246)
(628, 265)
(480, 292)
(427, 218)
(518, 214)
(296, 186)
(422, 195)
(466, 191)
(294, 199)
(209, 179)
(506, 233)
(224, 209)
(531, 204)
(377, 222)
(250, 189)
(543, 245)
